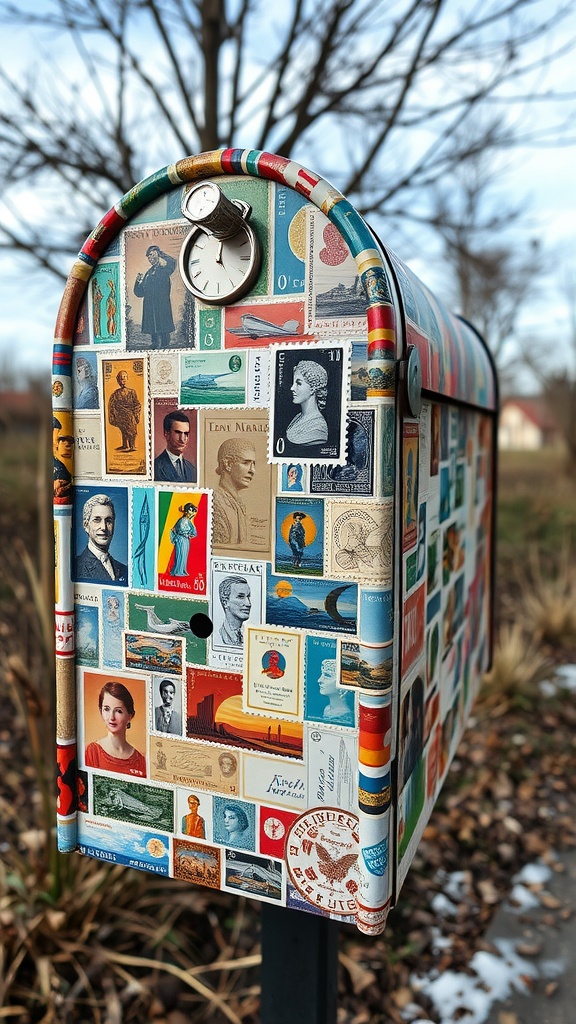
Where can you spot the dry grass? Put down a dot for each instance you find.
(519, 666)
(548, 603)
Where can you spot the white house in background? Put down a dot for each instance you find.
(526, 424)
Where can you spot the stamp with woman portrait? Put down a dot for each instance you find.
(308, 403)
(183, 518)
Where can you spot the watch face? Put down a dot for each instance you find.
(201, 200)
(220, 270)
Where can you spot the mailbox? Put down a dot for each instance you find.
(273, 511)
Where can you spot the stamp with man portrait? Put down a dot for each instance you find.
(100, 533)
(236, 594)
(124, 391)
(159, 312)
(174, 442)
(308, 403)
(234, 462)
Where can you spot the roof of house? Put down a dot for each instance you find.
(535, 408)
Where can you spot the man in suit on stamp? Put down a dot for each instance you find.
(171, 465)
(95, 563)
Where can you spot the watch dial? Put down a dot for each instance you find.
(201, 201)
(217, 267)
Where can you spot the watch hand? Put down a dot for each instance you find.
(219, 253)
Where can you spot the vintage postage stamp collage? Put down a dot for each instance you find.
(225, 478)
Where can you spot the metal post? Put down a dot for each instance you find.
(299, 972)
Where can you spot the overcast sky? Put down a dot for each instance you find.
(544, 177)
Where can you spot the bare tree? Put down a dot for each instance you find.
(495, 264)
(554, 367)
(369, 92)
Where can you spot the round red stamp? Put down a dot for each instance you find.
(322, 857)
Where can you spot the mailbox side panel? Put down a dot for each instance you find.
(238, 619)
(444, 558)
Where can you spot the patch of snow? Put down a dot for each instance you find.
(552, 968)
(534, 874)
(456, 886)
(468, 998)
(564, 679)
(442, 906)
(521, 899)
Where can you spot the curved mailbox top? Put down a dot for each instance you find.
(455, 361)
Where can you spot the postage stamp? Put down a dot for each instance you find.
(103, 303)
(166, 708)
(366, 667)
(260, 324)
(234, 823)
(143, 537)
(376, 615)
(234, 449)
(293, 477)
(87, 447)
(63, 452)
(153, 613)
(101, 524)
(197, 765)
(113, 622)
(356, 475)
(274, 824)
(87, 639)
(183, 541)
(359, 540)
(144, 652)
(336, 299)
(159, 310)
(163, 375)
(272, 682)
(85, 381)
(253, 876)
(325, 700)
(409, 485)
(124, 390)
(193, 814)
(134, 847)
(174, 442)
(332, 767)
(299, 538)
(306, 426)
(324, 605)
(197, 863)
(133, 802)
(209, 328)
(213, 378)
(216, 715)
(275, 782)
(289, 241)
(236, 595)
(109, 699)
(321, 855)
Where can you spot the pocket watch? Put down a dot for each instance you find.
(220, 258)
